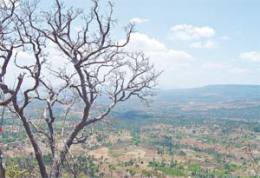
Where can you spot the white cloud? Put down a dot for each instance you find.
(138, 20)
(158, 51)
(196, 36)
(253, 56)
(201, 44)
(188, 32)
(172, 62)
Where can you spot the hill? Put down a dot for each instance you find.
(211, 93)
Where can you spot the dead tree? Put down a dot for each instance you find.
(102, 69)
(7, 46)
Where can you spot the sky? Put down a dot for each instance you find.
(194, 42)
(197, 42)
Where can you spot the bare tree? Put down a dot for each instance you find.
(7, 45)
(102, 69)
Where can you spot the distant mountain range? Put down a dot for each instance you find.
(211, 93)
(236, 102)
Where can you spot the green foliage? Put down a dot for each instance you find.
(129, 163)
(230, 167)
(194, 168)
(146, 173)
(8, 136)
(84, 167)
(172, 171)
(14, 171)
(47, 159)
(87, 165)
(168, 168)
(22, 165)
(136, 140)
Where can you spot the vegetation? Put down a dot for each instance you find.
(158, 146)
(74, 110)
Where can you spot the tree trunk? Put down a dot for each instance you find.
(2, 169)
(56, 166)
(37, 151)
(55, 170)
(36, 148)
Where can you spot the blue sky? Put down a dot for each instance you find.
(195, 42)
(233, 51)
